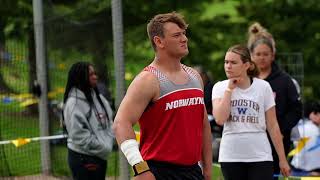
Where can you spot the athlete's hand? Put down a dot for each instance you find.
(284, 168)
(145, 176)
(207, 176)
(207, 171)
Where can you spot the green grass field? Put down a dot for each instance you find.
(25, 160)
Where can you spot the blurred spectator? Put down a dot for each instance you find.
(310, 124)
(288, 104)
(308, 157)
(216, 130)
(207, 87)
(88, 118)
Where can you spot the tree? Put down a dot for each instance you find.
(216, 25)
(295, 29)
(82, 26)
(18, 15)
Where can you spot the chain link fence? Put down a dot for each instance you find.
(69, 38)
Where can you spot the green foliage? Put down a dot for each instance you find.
(294, 27)
(224, 8)
(215, 25)
(16, 16)
(15, 71)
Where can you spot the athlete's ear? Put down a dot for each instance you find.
(158, 42)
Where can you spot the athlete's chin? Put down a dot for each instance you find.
(185, 53)
(181, 54)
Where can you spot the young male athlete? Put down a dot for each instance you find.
(167, 100)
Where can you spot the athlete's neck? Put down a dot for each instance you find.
(167, 64)
(172, 70)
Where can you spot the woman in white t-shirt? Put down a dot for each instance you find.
(245, 106)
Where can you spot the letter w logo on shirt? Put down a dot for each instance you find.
(242, 110)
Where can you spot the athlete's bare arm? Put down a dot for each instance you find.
(141, 92)
(276, 137)
(207, 142)
(207, 148)
(143, 89)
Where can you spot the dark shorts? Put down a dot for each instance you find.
(167, 171)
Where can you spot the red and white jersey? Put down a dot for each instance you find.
(171, 127)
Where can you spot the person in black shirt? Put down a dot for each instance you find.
(216, 130)
(288, 105)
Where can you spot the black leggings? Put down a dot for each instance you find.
(247, 171)
(167, 171)
(84, 167)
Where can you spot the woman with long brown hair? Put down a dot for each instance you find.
(245, 106)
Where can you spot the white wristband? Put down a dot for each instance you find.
(130, 149)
